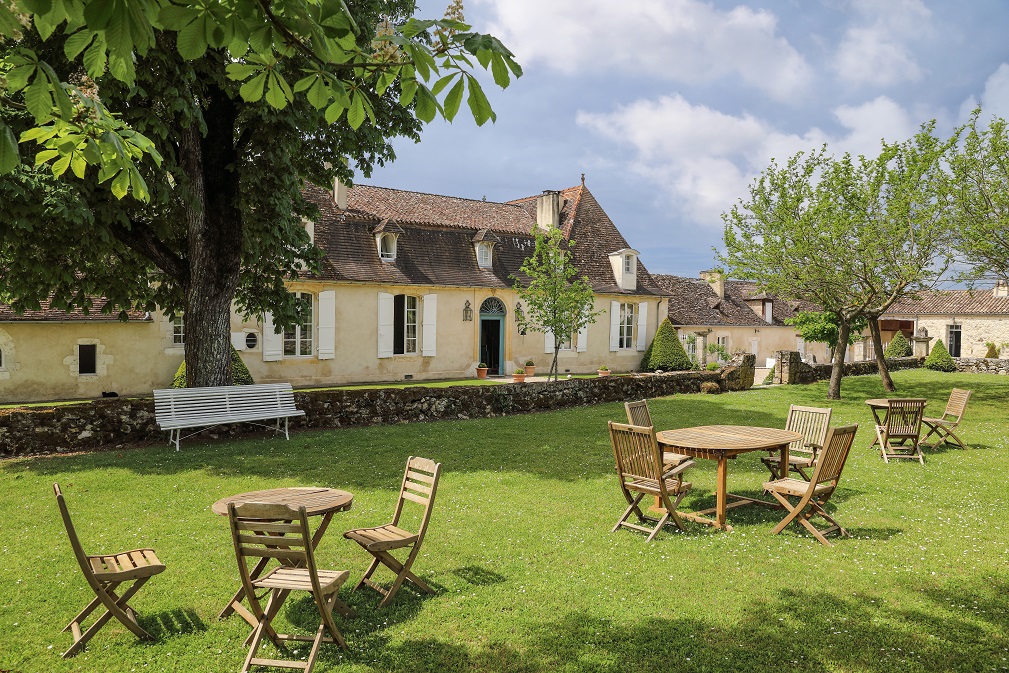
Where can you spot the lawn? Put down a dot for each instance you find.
(528, 575)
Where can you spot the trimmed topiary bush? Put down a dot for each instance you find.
(899, 347)
(939, 359)
(240, 375)
(992, 351)
(646, 357)
(667, 351)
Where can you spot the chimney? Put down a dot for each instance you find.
(548, 209)
(1001, 289)
(340, 194)
(717, 281)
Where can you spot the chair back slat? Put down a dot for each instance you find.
(420, 483)
(268, 530)
(811, 423)
(637, 452)
(903, 417)
(834, 454)
(75, 542)
(957, 404)
(638, 413)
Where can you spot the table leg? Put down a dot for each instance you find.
(783, 465)
(721, 492)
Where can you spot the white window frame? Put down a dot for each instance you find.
(627, 327)
(723, 341)
(629, 264)
(409, 316)
(387, 254)
(689, 347)
(295, 335)
(567, 344)
(179, 331)
(484, 255)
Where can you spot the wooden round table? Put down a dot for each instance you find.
(317, 501)
(722, 442)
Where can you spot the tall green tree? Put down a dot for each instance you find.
(557, 300)
(822, 327)
(183, 134)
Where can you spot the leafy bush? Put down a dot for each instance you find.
(769, 379)
(899, 347)
(992, 351)
(667, 351)
(711, 366)
(240, 375)
(939, 359)
(646, 357)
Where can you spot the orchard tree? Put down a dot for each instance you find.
(557, 300)
(172, 142)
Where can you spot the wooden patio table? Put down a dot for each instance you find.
(878, 406)
(722, 443)
(317, 501)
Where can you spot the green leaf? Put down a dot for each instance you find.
(36, 6)
(44, 25)
(94, 58)
(356, 114)
(240, 71)
(333, 112)
(478, 103)
(76, 43)
(78, 164)
(442, 83)
(306, 82)
(60, 165)
(318, 95)
(121, 184)
(38, 99)
(9, 156)
(409, 90)
(98, 13)
(192, 40)
(40, 133)
(275, 93)
(18, 77)
(176, 17)
(453, 100)
(500, 71)
(252, 90)
(427, 104)
(44, 156)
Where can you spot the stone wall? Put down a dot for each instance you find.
(789, 368)
(983, 365)
(116, 422)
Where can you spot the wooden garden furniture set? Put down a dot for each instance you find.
(899, 421)
(271, 527)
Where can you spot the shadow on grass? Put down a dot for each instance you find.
(172, 622)
(796, 630)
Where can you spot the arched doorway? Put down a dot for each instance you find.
(492, 320)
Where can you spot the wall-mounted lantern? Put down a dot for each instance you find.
(467, 312)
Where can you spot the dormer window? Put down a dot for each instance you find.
(768, 311)
(625, 268)
(387, 247)
(483, 245)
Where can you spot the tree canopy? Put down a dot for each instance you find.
(175, 142)
(557, 300)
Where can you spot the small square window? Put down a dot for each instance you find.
(87, 359)
(178, 332)
(629, 264)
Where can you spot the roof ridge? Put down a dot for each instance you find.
(440, 196)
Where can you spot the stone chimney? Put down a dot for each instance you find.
(340, 194)
(717, 281)
(1001, 289)
(548, 209)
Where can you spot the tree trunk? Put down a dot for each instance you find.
(837, 366)
(214, 239)
(555, 366)
(877, 346)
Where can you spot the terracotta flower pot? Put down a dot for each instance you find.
(481, 372)
(603, 372)
(519, 378)
(530, 370)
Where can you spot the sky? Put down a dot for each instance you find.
(672, 107)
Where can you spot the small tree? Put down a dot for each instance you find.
(899, 347)
(822, 327)
(939, 359)
(558, 301)
(667, 351)
(992, 351)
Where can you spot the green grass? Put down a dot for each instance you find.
(528, 576)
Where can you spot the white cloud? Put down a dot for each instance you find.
(875, 52)
(705, 159)
(682, 40)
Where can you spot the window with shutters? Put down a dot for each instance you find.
(628, 325)
(404, 324)
(298, 338)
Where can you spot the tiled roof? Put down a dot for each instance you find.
(951, 302)
(436, 246)
(693, 301)
(48, 314)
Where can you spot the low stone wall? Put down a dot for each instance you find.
(789, 368)
(982, 365)
(115, 423)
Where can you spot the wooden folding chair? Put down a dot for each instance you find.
(639, 415)
(943, 426)
(898, 435)
(269, 530)
(420, 483)
(813, 495)
(812, 423)
(104, 574)
(641, 472)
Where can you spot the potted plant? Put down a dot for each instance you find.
(603, 371)
(481, 370)
(519, 376)
(530, 368)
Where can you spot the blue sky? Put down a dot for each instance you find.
(672, 107)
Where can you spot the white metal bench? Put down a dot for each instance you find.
(176, 409)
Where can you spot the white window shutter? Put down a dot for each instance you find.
(385, 309)
(614, 325)
(548, 342)
(429, 327)
(583, 339)
(273, 343)
(642, 325)
(327, 325)
(238, 340)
